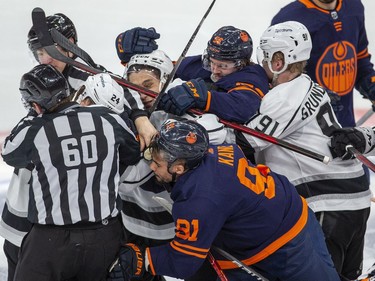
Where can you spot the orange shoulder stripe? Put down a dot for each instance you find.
(278, 243)
(258, 92)
(247, 87)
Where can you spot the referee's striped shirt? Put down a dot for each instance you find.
(77, 155)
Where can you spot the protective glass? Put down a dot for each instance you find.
(221, 65)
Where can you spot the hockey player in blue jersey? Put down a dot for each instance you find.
(339, 58)
(222, 200)
(235, 84)
(222, 81)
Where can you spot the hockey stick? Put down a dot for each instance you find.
(48, 44)
(66, 44)
(240, 264)
(322, 158)
(168, 207)
(361, 157)
(182, 56)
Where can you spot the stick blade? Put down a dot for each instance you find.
(40, 26)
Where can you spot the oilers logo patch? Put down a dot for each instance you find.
(337, 68)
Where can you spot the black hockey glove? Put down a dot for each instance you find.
(366, 86)
(191, 94)
(130, 264)
(137, 40)
(361, 138)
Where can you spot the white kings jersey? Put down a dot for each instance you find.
(300, 113)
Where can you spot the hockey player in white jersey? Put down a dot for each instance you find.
(298, 110)
(151, 71)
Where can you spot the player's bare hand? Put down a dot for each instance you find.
(146, 131)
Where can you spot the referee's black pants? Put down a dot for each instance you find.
(76, 252)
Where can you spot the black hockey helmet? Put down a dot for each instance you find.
(230, 43)
(58, 21)
(44, 85)
(185, 139)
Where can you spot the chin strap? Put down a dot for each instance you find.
(274, 79)
(174, 176)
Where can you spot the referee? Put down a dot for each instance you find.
(77, 153)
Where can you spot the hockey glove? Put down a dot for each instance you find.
(137, 40)
(191, 94)
(130, 264)
(366, 86)
(335, 101)
(361, 138)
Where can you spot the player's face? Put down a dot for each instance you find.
(160, 168)
(220, 69)
(45, 58)
(148, 80)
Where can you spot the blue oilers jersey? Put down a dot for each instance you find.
(339, 57)
(246, 210)
(235, 97)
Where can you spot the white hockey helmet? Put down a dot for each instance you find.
(157, 59)
(102, 89)
(291, 38)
